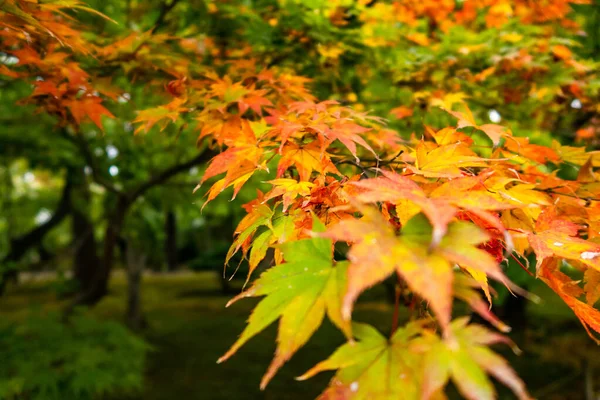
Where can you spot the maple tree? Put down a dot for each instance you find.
(439, 200)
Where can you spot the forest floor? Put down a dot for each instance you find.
(189, 328)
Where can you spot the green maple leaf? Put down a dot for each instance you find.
(415, 363)
(299, 292)
(374, 367)
(465, 358)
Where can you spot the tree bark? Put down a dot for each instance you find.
(136, 262)
(590, 393)
(99, 282)
(171, 240)
(85, 258)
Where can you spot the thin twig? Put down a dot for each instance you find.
(396, 315)
(550, 191)
(165, 9)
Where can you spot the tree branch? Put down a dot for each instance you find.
(84, 147)
(164, 10)
(168, 173)
(21, 244)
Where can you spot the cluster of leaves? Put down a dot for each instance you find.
(40, 42)
(420, 55)
(438, 204)
(45, 359)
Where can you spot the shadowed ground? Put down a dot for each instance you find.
(190, 328)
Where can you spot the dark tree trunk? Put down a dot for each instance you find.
(136, 262)
(588, 369)
(98, 287)
(85, 260)
(122, 247)
(20, 245)
(171, 240)
(45, 255)
(85, 253)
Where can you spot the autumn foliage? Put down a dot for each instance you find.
(440, 210)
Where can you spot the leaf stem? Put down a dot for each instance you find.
(396, 315)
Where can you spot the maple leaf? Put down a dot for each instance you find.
(325, 119)
(472, 193)
(592, 286)
(418, 38)
(559, 239)
(448, 136)
(4, 70)
(233, 131)
(392, 187)
(576, 155)
(448, 100)
(565, 287)
(465, 289)
(256, 101)
(516, 192)
(586, 172)
(90, 107)
(348, 134)
(299, 292)
(239, 163)
(229, 159)
(282, 230)
(466, 119)
(401, 112)
(445, 161)
(306, 159)
(465, 358)
(236, 176)
(374, 367)
(11, 7)
(260, 215)
(442, 204)
(535, 152)
(289, 189)
(73, 4)
(376, 252)
(160, 115)
(562, 52)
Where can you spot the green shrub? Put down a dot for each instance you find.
(46, 359)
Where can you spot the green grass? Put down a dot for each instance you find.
(189, 328)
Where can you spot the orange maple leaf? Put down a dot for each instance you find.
(90, 107)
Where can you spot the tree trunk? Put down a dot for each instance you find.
(589, 381)
(136, 262)
(99, 285)
(85, 258)
(171, 240)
